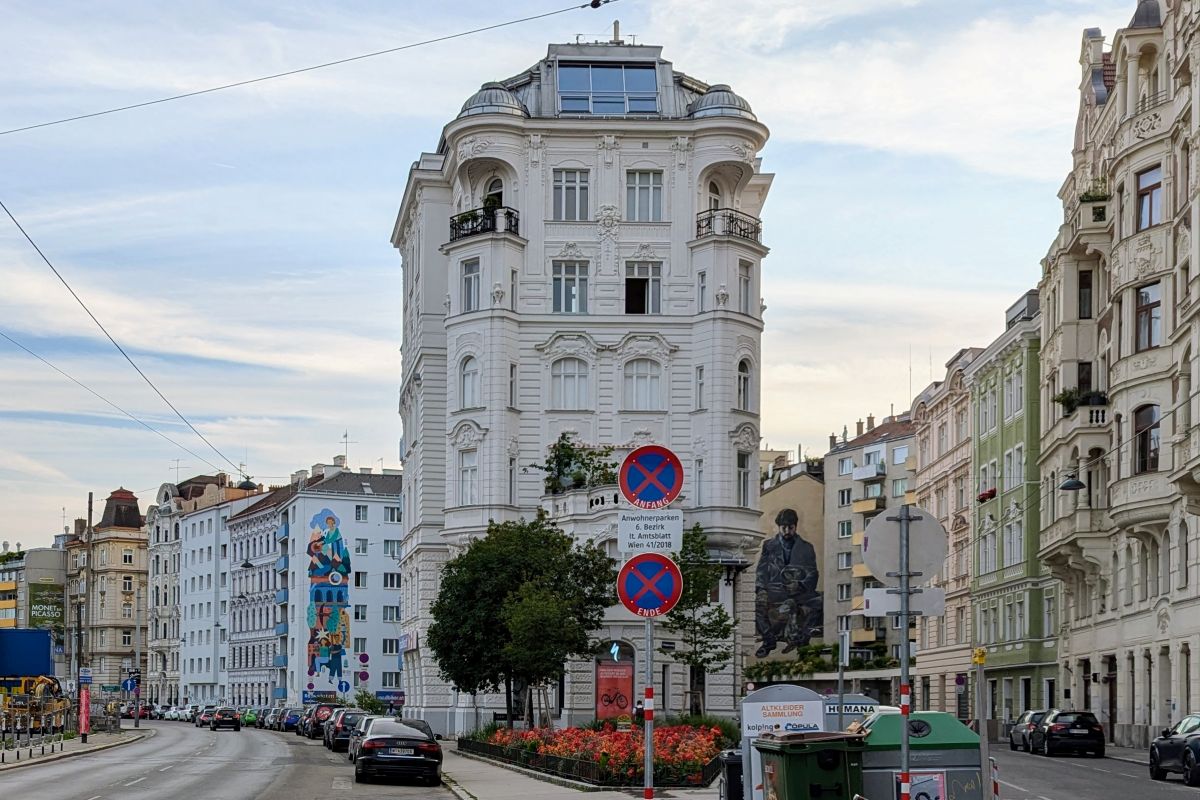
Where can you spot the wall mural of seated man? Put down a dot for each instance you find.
(787, 605)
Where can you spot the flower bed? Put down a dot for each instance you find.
(684, 755)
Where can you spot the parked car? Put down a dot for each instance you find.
(205, 716)
(260, 717)
(395, 748)
(225, 717)
(1018, 737)
(314, 721)
(358, 733)
(1075, 731)
(1177, 749)
(289, 719)
(268, 720)
(337, 729)
(249, 716)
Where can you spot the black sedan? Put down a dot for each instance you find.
(225, 717)
(1018, 737)
(393, 747)
(1178, 750)
(1063, 731)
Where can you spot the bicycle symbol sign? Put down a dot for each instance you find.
(651, 477)
(649, 584)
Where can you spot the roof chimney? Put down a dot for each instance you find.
(339, 461)
(832, 440)
(299, 476)
(318, 470)
(364, 470)
(870, 422)
(859, 426)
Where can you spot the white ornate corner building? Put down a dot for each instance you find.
(582, 253)
(1119, 300)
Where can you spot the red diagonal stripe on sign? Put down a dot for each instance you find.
(651, 477)
(649, 584)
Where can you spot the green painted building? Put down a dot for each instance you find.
(1013, 597)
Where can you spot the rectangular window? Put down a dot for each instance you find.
(844, 623)
(1085, 294)
(390, 680)
(470, 285)
(844, 560)
(843, 591)
(512, 290)
(391, 613)
(843, 497)
(699, 388)
(643, 196)
(1149, 198)
(899, 487)
(127, 583)
(391, 513)
(702, 291)
(126, 638)
(1149, 316)
(1083, 376)
(699, 479)
(512, 481)
(360, 547)
(360, 613)
(468, 477)
(512, 385)
(360, 580)
(127, 556)
(570, 284)
(900, 454)
(607, 89)
(360, 513)
(843, 529)
(391, 647)
(876, 490)
(391, 548)
(744, 477)
(126, 611)
(643, 287)
(745, 286)
(845, 466)
(391, 580)
(570, 194)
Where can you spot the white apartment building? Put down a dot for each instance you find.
(338, 604)
(581, 254)
(256, 662)
(1119, 342)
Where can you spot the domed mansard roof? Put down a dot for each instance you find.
(720, 101)
(1148, 15)
(493, 98)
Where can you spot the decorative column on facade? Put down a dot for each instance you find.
(1131, 84)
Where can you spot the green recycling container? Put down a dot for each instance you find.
(811, 766)
(943, 757)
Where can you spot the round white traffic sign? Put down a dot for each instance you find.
(927, 546)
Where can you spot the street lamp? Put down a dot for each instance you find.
(1072, 484)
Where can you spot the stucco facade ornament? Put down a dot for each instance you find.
(700, 447)
(446, 304)
(744, 151)
(722, 296)
(1183, 244)
(608, 221)
(640, 437)
(744, 437)
(471, 147)
(682, 146)
(466, 434)
(536, 147)
(514, 447)
(608, 144)
(645, 345)
(1147, 125)
(497, 294)
(645, 252)
(569, 250)
(1146, 259)
(562, 345)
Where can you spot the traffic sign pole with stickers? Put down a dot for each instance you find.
(650, 583)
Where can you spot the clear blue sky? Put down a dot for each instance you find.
(237, 243)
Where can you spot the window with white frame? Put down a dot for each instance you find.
(391, 580)
(1008, 396)
(702, 291)
(844, 529)
(643, 287)
(391, 647)
(900, 454)
(469, 383)
(643, 196)
(844, 560)
(127, 555)
(845, 466)
(390, 680)
(699, 481)
(643, 385)
(744, 479)
(843, 591)
(699, 388)
(570, 194)
(844, 622)
(843, 497)
(1018, 390)
(391, 613)
(899, 487)
(391, 513)
(569, 384)
(468, 477)
(743, 385)
(745, 287)
(360, 613)
(512, 385)
(391, 548)
(570, 287)
(360, 580)
(360, 513)
(470, 285)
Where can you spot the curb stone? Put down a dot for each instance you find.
(144, 734)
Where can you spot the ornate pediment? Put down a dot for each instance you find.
(644, 345)
(466, 434)
(744, 437)
(563, 344)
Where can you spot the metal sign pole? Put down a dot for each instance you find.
(843, 661)
(137, 658)
(905, 784)
(648, 710)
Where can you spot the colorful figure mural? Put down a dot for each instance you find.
(328, 602)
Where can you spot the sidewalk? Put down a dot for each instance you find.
(472, 778)
(1139, 757)
(13, 759)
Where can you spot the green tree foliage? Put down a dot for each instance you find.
(517, 604)
(704, 628)
(369, 702)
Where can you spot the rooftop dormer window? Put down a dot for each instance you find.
(607, 89)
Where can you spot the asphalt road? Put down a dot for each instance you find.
(186, 763)
(1066, 777)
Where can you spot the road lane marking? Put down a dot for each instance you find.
(1043, 797)
(138, 780)
(97, 797)
(1014, 786)
(1098, 769)
(167, 767)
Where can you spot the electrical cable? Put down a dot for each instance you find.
(239, 470)
(311, 68)
(87, 388)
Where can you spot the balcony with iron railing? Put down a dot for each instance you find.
(478, 221)
(1151, 100)
(727, 222)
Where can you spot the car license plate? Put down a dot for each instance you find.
(400, 751)
(1079, 731)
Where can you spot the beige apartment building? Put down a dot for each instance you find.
(864, 476)
(944, 487)
(106, 579)
(1119, 338)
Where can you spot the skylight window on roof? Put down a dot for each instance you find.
(607, 89)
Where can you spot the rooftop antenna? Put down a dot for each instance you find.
(346, 442)
(178, 466)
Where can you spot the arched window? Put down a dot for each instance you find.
(569, 384)
(643, 385)
(743, 385)
(714, 196)
(1146, 439)
(469, 384)
(493, 196)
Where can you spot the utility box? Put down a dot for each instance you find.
(943, 757)
(811, 766)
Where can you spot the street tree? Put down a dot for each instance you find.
(517, 604)
(703, 628)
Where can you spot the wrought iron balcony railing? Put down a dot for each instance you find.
(727, 222)
(501, 219)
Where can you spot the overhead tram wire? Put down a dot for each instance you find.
(311, 68)
(96, 394)
(117, 345)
